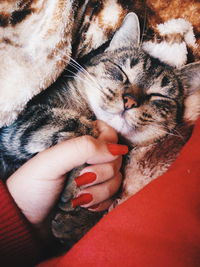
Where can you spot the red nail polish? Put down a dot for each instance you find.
(94, 207)
(85, 178)
(82, 200)
(116, 149)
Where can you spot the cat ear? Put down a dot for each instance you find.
(190, 77)
(128, 34)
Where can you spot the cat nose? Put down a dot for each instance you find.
(130, 101)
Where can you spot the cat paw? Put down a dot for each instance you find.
(70, 191)
(70, 227)
(68, 194)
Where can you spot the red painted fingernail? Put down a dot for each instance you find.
(85, 178)
(82, 200)
(116, 149)
(94, 207)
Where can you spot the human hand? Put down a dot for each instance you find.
(37, 185)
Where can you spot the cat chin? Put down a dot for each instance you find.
(129, 133)
(117, 122)
(139, 138)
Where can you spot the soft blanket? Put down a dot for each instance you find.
(38, 37)
(160, 225)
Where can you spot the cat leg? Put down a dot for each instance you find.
(70, 224)
(69, 227)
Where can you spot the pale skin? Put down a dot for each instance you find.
(36, 185)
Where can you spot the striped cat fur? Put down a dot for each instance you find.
(151, 105)
(37, 38)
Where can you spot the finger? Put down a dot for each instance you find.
(95, 174)
(81, 150)
(107, 133)
(105, 205)
(98, 193)
(63, 157)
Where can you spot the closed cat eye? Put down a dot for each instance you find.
(123, 76)
(158, 96)
(119, 76)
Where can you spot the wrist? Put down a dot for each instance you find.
(35, 197)
(15, 192)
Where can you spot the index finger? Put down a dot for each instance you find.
(55, 161)
(107, 133)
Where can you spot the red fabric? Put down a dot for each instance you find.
(17, 244)
(159, 226)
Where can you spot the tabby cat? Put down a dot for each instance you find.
(150, 104)
(38, 36)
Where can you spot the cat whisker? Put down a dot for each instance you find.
(85, 72)
(87, 77)
(173, 131)
(82, 68)
(78, 67)
(77, 75)
(85, 80)
(168, 132)
(69, 76)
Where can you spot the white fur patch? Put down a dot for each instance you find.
(180, 26)
(111, 7)
(172, 53)
(95, 33)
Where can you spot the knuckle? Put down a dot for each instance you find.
(115, 136)
(110, 170)
(111, 188)
(90, 143)
(105, 171)
(117, 164)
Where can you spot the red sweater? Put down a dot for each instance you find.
(159, 226)
(18, 246)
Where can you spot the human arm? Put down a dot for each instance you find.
(36, 186)
(46, 173)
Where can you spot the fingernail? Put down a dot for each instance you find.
(82, 200)
(116, 149)
(94, 207)
(85, 178)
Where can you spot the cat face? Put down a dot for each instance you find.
(139, 96)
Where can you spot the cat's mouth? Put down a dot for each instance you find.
(119, 120)
(123, 126)
(129, 123)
